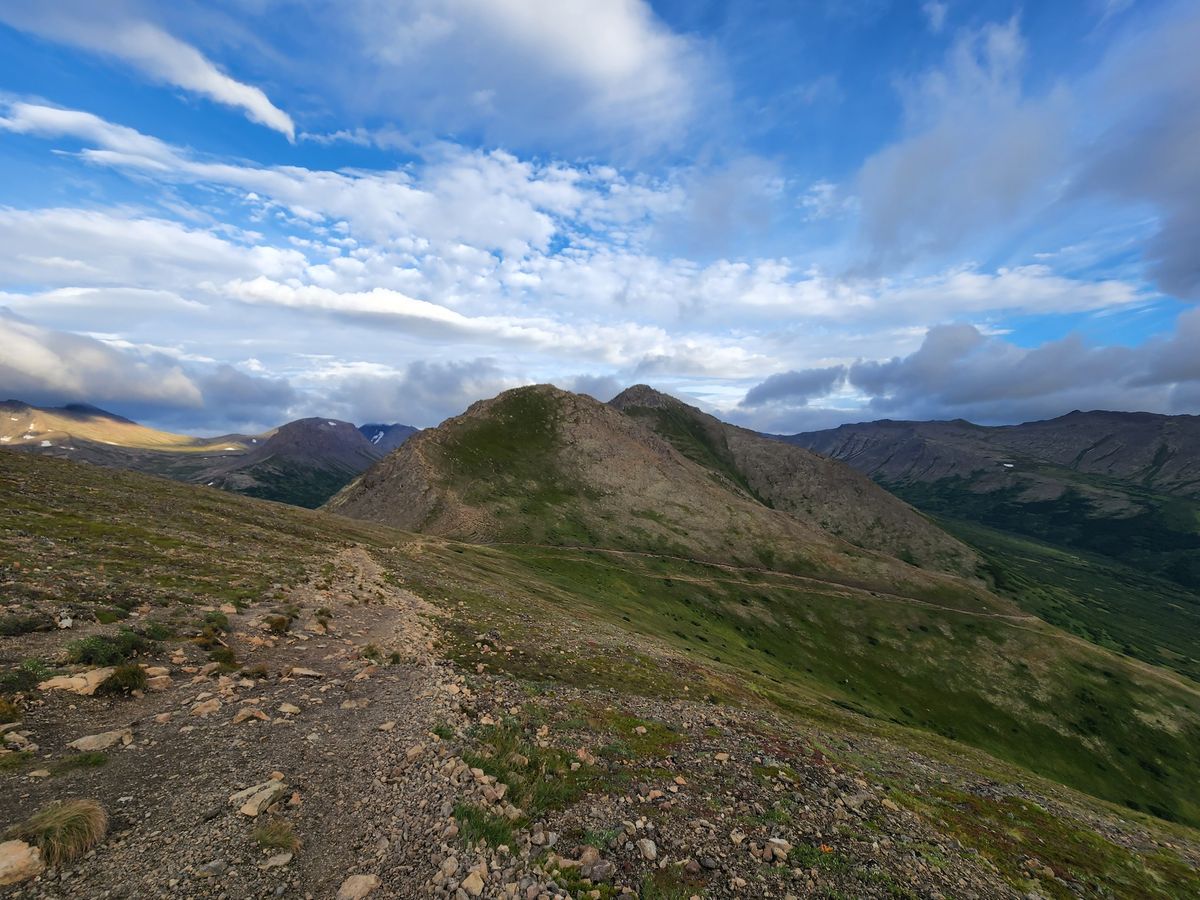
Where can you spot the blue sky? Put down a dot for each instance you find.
(218, 216)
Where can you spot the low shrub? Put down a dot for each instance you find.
(127, 678)
(98, 650)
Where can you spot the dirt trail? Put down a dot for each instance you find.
(353, 797)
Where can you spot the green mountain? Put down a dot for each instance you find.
(689, 552)
(1090, 520)
(896, 742)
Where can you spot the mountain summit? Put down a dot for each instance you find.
(811, 488)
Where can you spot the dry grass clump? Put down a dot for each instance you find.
(9, 711)
(64, 831)
(277, 834)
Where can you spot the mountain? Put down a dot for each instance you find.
(539, 465)
(1091, 520)
(387, 438)
(747, 722)
(808, 487)
(303, 463)
(84, 429)
(1155, 452)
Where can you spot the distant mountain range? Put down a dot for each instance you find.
(303, 462)
(1092, 519)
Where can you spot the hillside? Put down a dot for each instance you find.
(810, 488)
(632, 725)
(539, 465)
(303, 463)
(1088, 520)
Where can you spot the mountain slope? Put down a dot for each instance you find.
(657, 668)
(303, 463)
(808, 487)
(23, 427)
(1071, 513)
(543, 466)
(387, 438)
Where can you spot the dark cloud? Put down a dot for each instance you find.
(599, 387)
(47, 367)
(425, 394)
(795, 388)
(960, 372)
(241, 398)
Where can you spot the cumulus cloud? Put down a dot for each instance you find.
(982, 156)
(562, 71)
(795, 388)
(76, 247)
(598, 387)
(147, 48)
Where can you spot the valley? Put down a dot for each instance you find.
(512, 657)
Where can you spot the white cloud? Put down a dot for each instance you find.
(935, 14)
(147, 48)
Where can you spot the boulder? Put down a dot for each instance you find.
(253, 800)
(19, 861)
(357, 886)
(84, 684)
(102, 741)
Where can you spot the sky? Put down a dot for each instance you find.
(218, 216)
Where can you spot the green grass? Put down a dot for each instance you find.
(1010, 830)
(1110, 604)
(477, 824)
(1161, 537)
(125, 679)
(75, 762)
(1016, 689)
(101, 650)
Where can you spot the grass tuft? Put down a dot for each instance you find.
(64, 831)
(9, 711)
(277, 834)
(127, 678)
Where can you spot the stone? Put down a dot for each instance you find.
(213, 868)
(159, 683)
(472, 884)
(449, 866)
(253, 800)
(277, 861)
(305, 673)
(103, 740)
(84, 684)
(289, 709)
(357, 886)
(19, 862)
(250, 712)
(206, 707)
(648, 849)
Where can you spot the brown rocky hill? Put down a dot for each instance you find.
(811, 488)
(538, 465)
(303, 462)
